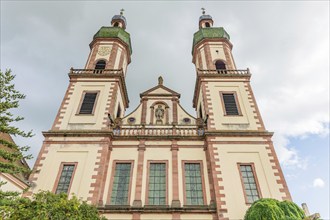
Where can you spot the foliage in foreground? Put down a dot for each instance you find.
(272, 209)
(45, 205)
(10, 153)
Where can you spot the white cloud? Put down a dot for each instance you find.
(292, 91)
(288, 156)
(318, 183)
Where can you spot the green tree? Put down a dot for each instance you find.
(11, 153)
(272, 209)
(46, 205)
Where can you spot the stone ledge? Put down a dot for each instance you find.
(156, 209)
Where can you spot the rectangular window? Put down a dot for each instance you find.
(229, 101)
(157, 184)
(88, 103)
(193, 184)
(121, 182)
(249, 183)
(65, 178)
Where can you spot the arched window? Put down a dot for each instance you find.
(207, 24)
(220, 65)
(116, 24)
(100, 65)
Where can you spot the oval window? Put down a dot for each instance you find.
(131, 120)
(186, 120)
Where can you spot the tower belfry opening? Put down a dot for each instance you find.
(158, 161)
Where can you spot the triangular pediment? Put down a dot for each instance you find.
(160, 90)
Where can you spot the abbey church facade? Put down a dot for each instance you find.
(159, 162)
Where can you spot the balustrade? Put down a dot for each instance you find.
(95, 71)
(224, 72)
(168, 131)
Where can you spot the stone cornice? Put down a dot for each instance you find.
(239, 133)
(111, 133)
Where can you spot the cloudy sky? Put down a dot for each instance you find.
(285, 45)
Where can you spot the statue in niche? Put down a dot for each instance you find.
(159, 113)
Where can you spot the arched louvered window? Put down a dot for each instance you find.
(100, 65)
(116, 24)
(207, 24)
(220, 65)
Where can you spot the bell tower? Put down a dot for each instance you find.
(235, 135)
(211, 46)
(96, 98)
(111, 46)
(97, 94)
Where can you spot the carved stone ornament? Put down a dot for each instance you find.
(200, 122)
(159, 113)
(103, 51)
(118, 122)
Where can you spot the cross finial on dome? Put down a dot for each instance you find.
(160, 80)
(122, 11)
(203, 11)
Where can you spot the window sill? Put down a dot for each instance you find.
(233, 115)
(84, 114)
(156, 208)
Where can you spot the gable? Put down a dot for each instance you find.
(160, 91)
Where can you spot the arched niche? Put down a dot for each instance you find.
(159, 113)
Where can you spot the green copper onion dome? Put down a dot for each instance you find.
(114, 32)
(209, 33)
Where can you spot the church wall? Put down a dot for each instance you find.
(113, 52)
(245, 121)
(72, 120)
(203, 59)
(200, 103)
(192, 154)
(105, 45)
(187, 143)
(157, 154)
(125, 64)
(220, 55)
(116, 216)
(83, 155)
(125, 143)
(156, 216)
(118, 101)
(230, 155)
(224, 53)
(183, 114)
(117, 59)
(121, 154)
(135, 114)
(196, 217)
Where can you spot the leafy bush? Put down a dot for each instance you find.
(46, 205)
(272, 209)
